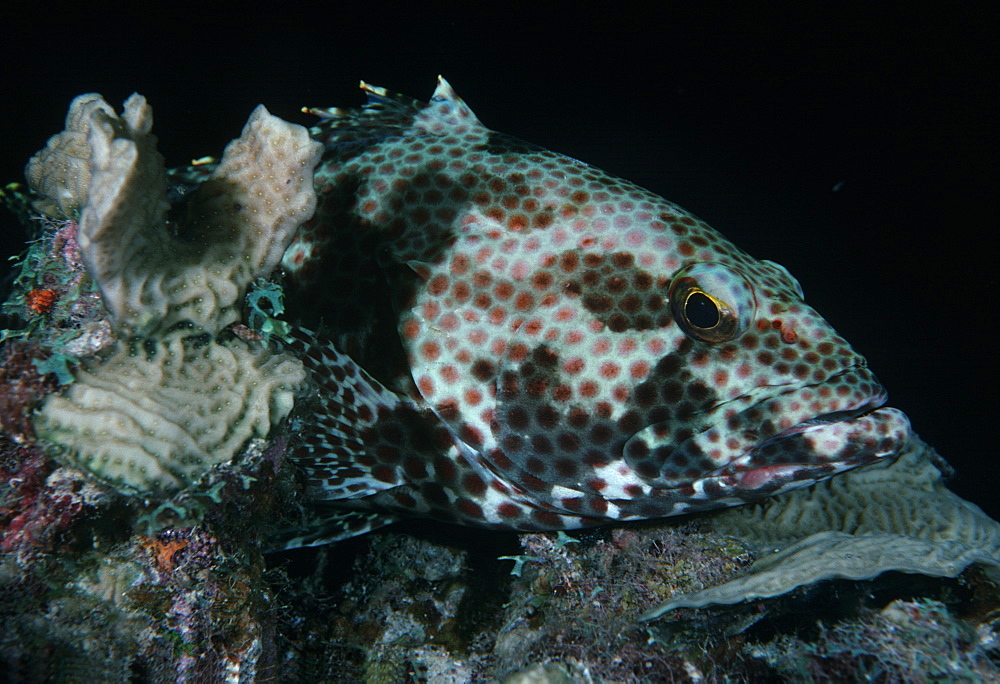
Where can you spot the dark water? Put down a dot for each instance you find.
(852, 149)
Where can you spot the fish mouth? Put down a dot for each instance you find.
(859, 431)
(866, 408)
(781, 437)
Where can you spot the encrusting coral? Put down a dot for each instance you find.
(157, 423)
(61, 172)
(174, 395)
(889, 516)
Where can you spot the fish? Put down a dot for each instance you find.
(509, 338)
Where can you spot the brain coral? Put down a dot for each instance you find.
(155, 422)
(175, 395)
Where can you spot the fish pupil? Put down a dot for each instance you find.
(701, 311)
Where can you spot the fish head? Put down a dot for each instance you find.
(770, 396)
(688, 376)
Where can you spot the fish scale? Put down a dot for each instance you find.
(525, 341)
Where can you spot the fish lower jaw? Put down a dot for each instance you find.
(822, 447)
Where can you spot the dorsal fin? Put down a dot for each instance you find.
(448, 108)
(388, 114)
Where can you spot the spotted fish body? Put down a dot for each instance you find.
(526, 342)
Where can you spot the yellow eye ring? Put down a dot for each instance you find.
(711, 303)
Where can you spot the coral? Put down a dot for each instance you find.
(54, 296)
(38, 504)
(447, 610)
(414, 609)
(888, 516)
(173, 607)
(156, 422)
(174, 396)
(39, 501)
(72, 637)
(61, 173)
(154, 275)
(209, 602)
(419, 602)
(578, 602)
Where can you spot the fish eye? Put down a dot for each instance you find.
(701, 311)
(712, 303)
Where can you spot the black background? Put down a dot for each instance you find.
(748, 119)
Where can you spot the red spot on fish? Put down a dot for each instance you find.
(469, 509)
(460, 264)
(518, 222)
(609, 370)
(597, 484)
(639, 370)
(430, 350)
(518, 352)
(508, 510)
(524, 302)
(411, 329)
(426, 385)
(473, 484)
(533, 326)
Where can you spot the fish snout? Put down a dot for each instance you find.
(821, 430)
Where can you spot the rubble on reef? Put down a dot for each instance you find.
(439, 604)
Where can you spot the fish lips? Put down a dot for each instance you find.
(837, 425)
(820, 448)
